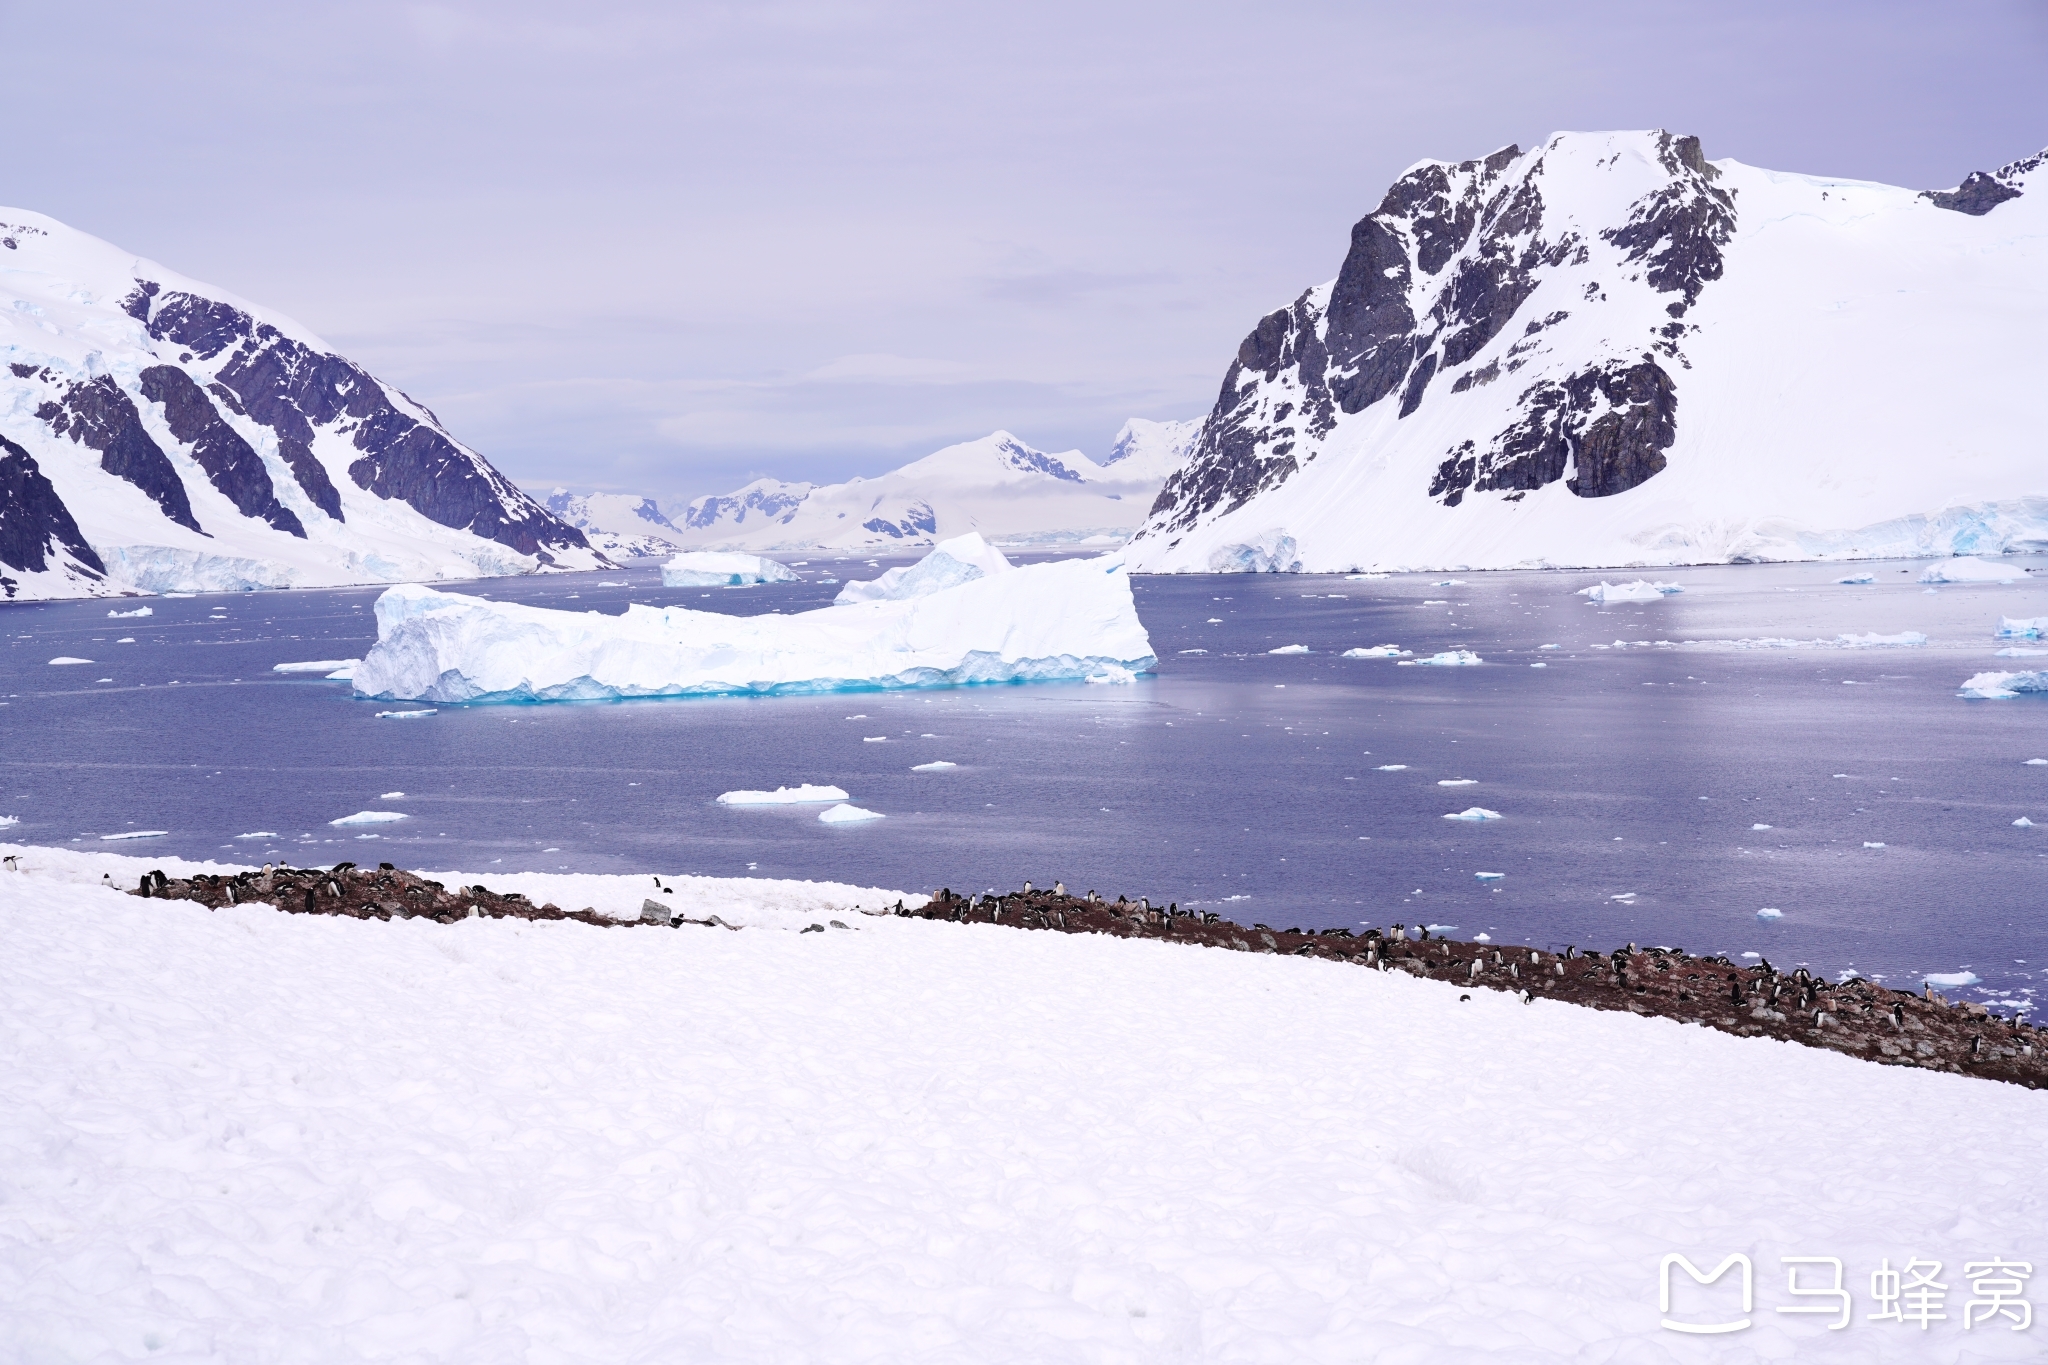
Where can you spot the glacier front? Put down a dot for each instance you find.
(1061, 621)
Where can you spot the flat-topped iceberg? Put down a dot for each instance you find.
(2021, 628)
(1642, 590)
(963, 559)
(717, 569)
(783, 796)
(1970, 569)
(1062, 621)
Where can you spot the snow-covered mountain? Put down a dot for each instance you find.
(157, 434)
(617, 524)
(1612, 351)
(997, 486)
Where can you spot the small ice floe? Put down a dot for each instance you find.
(1623, 896)
(1539, 665)
(936, 766)
(1112, 675)
(1475, 813)
(1194, 651)
(137, 834)
(1291, 649)
(847, 815)
(392, 796)
(1392, 768)
(783, 796)
(1951, 980)
(1550, 646)
(1482, 938)
(2037, 763)
(1376, 652)
(259, 834)
(1450, 658)
(404, 715)
(125, 640)
(1905, 639)
(2021, 628)
(614, 585)
(874, 739)
(1364, 577)
(1970, 569)
(2020, 652)
(1768, 913)
(1489, 876)
(1457, 782)
(1868, 844)
(139, 611)
(2002, 686)
(2023, 823)
(371, 817)
(1213, 621)
(9, 821)
(1449, 583)
(1642, 590)
(67, 659)
(316, 666)
(1856, 578)
(1759, 826)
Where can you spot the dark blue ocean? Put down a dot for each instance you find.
(1631, 776)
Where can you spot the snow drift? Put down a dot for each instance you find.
(1065, 620)
(1610, 351)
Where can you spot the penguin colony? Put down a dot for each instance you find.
(1855, 1017)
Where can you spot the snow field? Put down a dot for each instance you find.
(245, 1136)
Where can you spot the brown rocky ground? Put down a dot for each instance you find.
(1855, 1017)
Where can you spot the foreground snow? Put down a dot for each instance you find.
(240, 1136)
(1066, 620)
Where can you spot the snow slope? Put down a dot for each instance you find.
(158, 434)
(1071, 619)
(997, 486)
(1610, 351)
(241, 1136)
(617, 524)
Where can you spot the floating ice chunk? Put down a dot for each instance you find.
(1759, 826)
(2021, 628)
(1056, 621)
(1905, 639)
(2023, 823)
(1213, 621)
(1868, 844)
(1392, 768)
(315, 666)
(137, 834)
(2002, 686)
(371, 817)
(1376, 652)
(1550, 646)
(9, 821)
(1481, 938)
(1489, 876)
(404, 715)
(1194, 651)
(962, 559)
(721, 569)
(392, 796)
(2037, 763)
(1449, 583)
(614, 585)
(1457, 782)
(936, 766)
(1475, 813)
(139, 611)
(874, 739)
(125, 640)
(1856, 578)
(1768, 913)
(1970, 569)
(1951, 980)
(1291, 649)
(259, 834)
(2020, 652)
(1452, 658)
(847, 815)
(782, 796)
(1112, 675)
(1624, 896)
(67, 659)
(1642, 590)
(1364, 577)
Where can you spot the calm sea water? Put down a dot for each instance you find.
(1631, 776)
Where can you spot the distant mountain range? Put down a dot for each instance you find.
(158, 434)
(1612, 351)
(997, 486)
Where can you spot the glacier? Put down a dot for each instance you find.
(951, 563)
(1046, 622)
(711, 569)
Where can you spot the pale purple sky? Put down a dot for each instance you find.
(665, 249)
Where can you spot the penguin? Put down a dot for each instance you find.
(1463, 998)
(1027, 888)
(1525, 997)
(1976, 1047)
(1898, 1015)
(1059, 888)
(106, 878)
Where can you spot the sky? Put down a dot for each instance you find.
(666, 249)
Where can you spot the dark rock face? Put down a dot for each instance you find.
(1020, 456)
(1611, 424)
(34, 520)
(228, 460)
(97, 413)
(1977, 195)
(918, 519)
(292, 389)
(1678, 232)
(779, 504)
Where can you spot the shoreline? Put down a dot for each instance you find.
(1854, 1017)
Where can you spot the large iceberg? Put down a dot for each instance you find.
(713, 569)
(2001, 686)
(1970, 569)
(1067, 620)
(2021, 628)
(951, 563)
